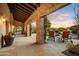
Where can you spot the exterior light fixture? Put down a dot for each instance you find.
(2, 19)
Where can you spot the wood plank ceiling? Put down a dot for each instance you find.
(21, 11)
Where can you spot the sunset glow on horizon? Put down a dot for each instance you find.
(63, 17)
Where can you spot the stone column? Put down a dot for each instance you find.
(28, 30)
(25, 30)
(7, 27)
(39, 30)
(0, 40)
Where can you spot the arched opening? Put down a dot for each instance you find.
(33, 28)
(18, 30)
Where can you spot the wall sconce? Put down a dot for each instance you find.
(12, 26)
(2, 19)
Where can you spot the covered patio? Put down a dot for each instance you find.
(16, 15)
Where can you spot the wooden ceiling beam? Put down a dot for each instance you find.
(16, 18)
(19, 20)
(28, 4)
(21, 13)
(22, 6)
(19, 10)
(36, 4)
(14, 5)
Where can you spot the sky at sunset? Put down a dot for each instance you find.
(63, 17)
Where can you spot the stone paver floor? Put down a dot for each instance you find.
(24, 46)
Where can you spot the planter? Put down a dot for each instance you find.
(74, 50)
(11, 39)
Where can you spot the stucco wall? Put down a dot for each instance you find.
(5, 13)
(17, 23)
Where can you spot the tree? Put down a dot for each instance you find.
(47, 26)
(60, 29)
(76, 18)
(74, 29)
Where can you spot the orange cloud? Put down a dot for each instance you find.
(60, 20)
(65, 23)
(64, 14)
